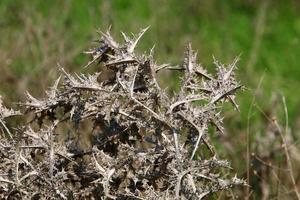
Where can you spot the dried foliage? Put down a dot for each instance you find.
(274, 170)
(144, 144)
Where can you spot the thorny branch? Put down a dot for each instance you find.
(142, 143)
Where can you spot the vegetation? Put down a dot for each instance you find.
(142, 143)
(37, 36)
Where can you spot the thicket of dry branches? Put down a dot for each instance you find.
(144, 143)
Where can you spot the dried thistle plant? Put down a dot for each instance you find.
(145, 144)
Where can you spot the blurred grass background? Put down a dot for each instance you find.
(37, 35)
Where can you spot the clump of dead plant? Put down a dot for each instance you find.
(144, 144)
